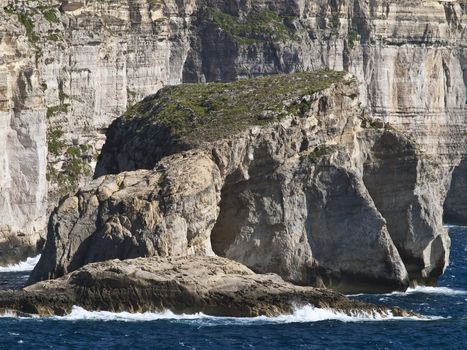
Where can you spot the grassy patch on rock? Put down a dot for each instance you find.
(320, 152)
(25, 19)
(258, 25)
(74, 166)
(49, 14)
(196, 113)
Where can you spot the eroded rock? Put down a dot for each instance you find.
(304, 195)
(211, 285)
(69, 68)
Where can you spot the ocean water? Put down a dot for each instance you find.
(308, 328)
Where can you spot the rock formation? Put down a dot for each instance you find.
(211, 285)
(23, 148)
(68, 68)
(284, 174)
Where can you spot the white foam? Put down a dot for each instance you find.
(78, 313)
(8, 314)
(23, 266)
(454, 226)
(304, 314)
(433, 290)
(421, 290)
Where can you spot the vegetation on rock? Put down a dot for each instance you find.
(352, 39)
(25, 17)
(256, 26)
(195, 113)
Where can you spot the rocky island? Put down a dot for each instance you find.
(277, 173)
(283, 174)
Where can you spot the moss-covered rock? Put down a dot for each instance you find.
(196, 113)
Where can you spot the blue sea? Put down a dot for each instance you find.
(308, 328)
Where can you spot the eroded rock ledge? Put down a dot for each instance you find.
(212, 285)
(284, 174)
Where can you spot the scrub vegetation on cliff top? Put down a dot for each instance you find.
(207, 112)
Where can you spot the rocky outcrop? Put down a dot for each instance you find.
(285, 188)
(71, 67)
(321, 208)
(211, 285)
(407, 190)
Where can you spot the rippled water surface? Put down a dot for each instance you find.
(308, 328)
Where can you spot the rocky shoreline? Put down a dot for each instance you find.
(184, 285)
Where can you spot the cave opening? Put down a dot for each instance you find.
(233, 208)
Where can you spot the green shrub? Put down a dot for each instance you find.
(195, 113)
(256, 26)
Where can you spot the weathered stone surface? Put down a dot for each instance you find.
(211, 285)
(408, 190)
(289, 197)
(23, 149)
(166, 212)
(310, 221)
(87, 61)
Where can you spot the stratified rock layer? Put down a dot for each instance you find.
(211, 285)
(299, 188)
(68, 68)
(23, 147)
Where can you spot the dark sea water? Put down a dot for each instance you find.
(308, 329)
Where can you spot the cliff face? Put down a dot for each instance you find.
(69, 68)
(291, 187)
(409, 56)
(455, 206)
(23, 148)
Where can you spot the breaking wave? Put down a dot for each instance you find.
(431, 290)
(23, 266)
(421, 290)
(454, 226)
(304, 314)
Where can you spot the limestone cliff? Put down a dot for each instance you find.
(284, 174)
(68, 68)
(23, 148)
